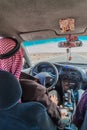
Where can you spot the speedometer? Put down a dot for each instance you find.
(43, 70)
(50, 70)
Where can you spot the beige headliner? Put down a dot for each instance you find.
(30, 15)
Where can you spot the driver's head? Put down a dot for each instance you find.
(14, 63)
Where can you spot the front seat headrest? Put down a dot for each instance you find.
(10, 90)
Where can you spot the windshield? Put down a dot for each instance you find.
(53, 51)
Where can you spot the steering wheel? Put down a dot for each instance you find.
(34, 71)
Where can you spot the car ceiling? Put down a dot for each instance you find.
(41, 17)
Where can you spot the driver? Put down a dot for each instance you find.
(34, 91)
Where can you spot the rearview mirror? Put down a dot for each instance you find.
(70, 44)
(71, 41)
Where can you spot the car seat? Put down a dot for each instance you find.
(20, 116)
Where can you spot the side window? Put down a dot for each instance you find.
(25, 64)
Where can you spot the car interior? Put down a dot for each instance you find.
(53, 35)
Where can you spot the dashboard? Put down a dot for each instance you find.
(66, 72)
(73, 74)
(69, 72)
(45, 68)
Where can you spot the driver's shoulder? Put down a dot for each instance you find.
(31, 85)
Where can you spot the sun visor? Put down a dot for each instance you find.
(38, 34)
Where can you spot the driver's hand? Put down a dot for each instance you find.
(54, 99)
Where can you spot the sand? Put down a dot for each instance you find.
(40, 56)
